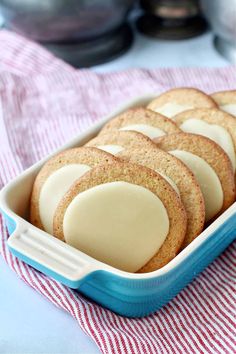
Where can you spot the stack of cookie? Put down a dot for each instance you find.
(146, 186)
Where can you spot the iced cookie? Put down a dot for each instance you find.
(178, 100)
(56, 177)
(123, 214)
(117, 141)
(210, 165)
(180, 178)
(143, 121)
(140, 149)
(226, 100)
(212, 123)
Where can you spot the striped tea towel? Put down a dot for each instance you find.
(45, 102)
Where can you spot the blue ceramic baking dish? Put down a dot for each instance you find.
(132, 295)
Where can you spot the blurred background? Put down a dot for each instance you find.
(150, 33)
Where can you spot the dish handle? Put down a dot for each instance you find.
(50, 255)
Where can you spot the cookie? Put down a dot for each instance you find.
(212, 123)
(117, 141)
(210, 165)
(226, 100)
(143, 121)
(180, 178)
(123, 214)
(56, 177)
(139, 149)
(178, 100)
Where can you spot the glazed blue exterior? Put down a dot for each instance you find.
(140, 297)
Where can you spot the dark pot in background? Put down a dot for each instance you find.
(56, 20)
(72, 26)
(171, 19)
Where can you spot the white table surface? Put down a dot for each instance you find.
(30, 324)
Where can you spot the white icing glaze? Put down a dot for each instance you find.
(54, 188)
(112, 149)
(229, 108)
(207, 178)
(214, 132)
(119, 223)
(148, 130)
(170, 109)
(170, 181)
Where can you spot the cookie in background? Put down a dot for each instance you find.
(56, 177)
(180, 178)
(179, 100)
(118, 140)
(209, 164)
(226, 100)
(142, 120)
(213, 123)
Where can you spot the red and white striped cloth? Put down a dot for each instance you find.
(44, 103)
